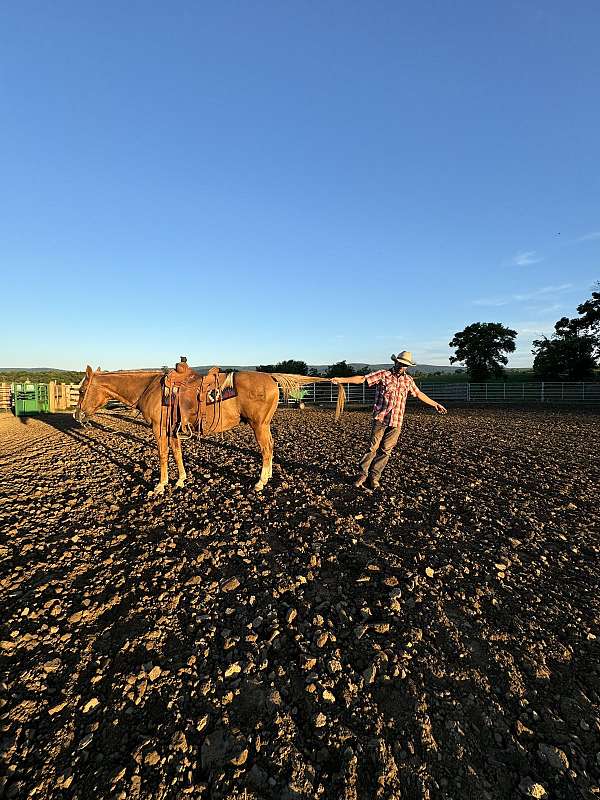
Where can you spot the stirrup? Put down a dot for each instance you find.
(180, 434)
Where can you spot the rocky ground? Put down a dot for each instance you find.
(435, 639)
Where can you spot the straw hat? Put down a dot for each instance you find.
(404, 358)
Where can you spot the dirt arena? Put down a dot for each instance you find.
(435, 639)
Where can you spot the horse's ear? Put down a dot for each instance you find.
(98, 370)
(89, 371)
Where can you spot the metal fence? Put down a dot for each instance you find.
(541, 392)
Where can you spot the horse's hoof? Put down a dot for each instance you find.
(258, 487)
(159, 489)
(180, 483)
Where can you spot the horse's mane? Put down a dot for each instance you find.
(130, 371)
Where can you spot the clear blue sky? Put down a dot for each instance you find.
(247, 182)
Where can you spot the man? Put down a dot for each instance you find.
(392, 389)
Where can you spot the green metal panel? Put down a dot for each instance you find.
(30, 398)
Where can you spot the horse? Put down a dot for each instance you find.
(255, 400)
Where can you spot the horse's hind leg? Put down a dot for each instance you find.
(270, 475)
(163, 451)
(265, 441)
(176, 448)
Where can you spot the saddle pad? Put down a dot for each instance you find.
(227, 391)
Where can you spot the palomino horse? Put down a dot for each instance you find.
(255, 402)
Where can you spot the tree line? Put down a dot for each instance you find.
(293, 367)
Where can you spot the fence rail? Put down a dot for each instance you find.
(543, 392)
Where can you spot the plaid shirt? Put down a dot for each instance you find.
(390, 395)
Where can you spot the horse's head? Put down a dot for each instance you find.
(92, 395)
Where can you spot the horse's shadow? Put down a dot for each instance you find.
(68, 426)
(291, 466)
(138, 420)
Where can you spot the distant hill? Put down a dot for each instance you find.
(42, 373)
(39, 375)
(45, 374)
(34, 369)
(422, 368)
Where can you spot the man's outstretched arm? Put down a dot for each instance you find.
(353, 379)
(425, 399)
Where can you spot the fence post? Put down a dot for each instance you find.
(582, 390)
(504, 387)
(364, 398)
(468, 392)
(562, 391)
(52, 395)
(522, 391)
(486, 397)
(542, 391)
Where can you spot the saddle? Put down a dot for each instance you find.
(186, 395)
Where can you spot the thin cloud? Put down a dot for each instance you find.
(490, 302)
(589, 237)
(545, 309)
(496, 302)
(544, 290)
(525, 258)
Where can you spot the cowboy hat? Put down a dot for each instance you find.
(404, 358)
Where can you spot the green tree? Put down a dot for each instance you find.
(290, 366)
(589, 317)
(566, 356)
(481, 347)
(340, 370)
(571, 354)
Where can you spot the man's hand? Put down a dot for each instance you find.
(440, 408)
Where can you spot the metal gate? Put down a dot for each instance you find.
(30, 398)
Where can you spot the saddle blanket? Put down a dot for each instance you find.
(226, 394)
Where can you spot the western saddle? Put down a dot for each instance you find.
(186, 395)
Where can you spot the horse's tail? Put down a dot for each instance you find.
(292, 383)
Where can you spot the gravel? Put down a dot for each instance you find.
(437, 638)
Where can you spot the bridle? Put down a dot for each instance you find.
(79, 408)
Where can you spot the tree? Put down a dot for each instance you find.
(589, 320)
(481, 347)
(340, 370)
(568, 357)
(290, 366)
(572, 351)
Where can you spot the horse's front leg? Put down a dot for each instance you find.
(163, 451)
(176, 448)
